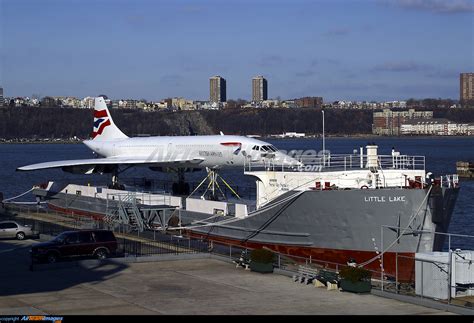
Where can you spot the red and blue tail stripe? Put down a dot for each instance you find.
(101, 121)
(100, 114)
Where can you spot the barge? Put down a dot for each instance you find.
(335, 208)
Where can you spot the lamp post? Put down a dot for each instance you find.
(324, 143)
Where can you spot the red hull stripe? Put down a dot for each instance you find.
(100, 113)
(101, 129)
(96, 216)
(231, 143)
(330, 257)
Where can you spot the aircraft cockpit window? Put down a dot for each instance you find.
(268, 148)
(272, 148)
(255, 148)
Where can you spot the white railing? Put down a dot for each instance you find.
(333, 162)
(450, 181)
(140, 198)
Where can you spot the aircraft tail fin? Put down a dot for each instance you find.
(104, 127)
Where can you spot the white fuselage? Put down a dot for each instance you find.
(217, 151)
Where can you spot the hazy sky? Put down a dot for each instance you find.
(354, 50)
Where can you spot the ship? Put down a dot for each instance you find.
(361, 207)
(465, 169)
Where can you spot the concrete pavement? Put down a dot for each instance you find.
(198, 286)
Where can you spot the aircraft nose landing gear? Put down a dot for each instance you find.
(213, 186)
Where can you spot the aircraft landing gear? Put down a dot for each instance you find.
(213, 187)
(180, 187)
(115, 183)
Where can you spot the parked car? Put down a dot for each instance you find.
(11, 229)
(97, 243)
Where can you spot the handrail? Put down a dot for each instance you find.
(339, 162)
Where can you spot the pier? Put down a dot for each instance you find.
(176, 271)
(203, 286)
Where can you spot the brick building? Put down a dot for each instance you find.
(388, 122)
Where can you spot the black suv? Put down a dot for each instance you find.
(97, 243)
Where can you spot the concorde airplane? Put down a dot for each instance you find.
(116, 150)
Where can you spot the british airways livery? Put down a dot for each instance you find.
(115, 150)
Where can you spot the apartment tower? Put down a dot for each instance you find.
(259, 89)
(217, 89)
(466, 86)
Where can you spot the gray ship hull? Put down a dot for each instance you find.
(330, 226)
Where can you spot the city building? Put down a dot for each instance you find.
(217, 89)
(168, 103)
(259, 89)
(394, 104)
(127, 104)
(466, 86)
(309, 102)
(69, 102)
(270, 104)
(436, 127)
(49, 101)
(2, 101)
(19, 102)
(387, 122)
(140, 104)
(182, 104)
(291, 135)
(88, 102)
(154, 106)
(208, 105)
(289, 104)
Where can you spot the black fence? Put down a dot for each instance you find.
(166, 245)
(130, 243)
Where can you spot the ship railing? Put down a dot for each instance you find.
(165, 187)
(140, 198)
(450, 181)
(337, 162)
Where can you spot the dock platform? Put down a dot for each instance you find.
(190, 287)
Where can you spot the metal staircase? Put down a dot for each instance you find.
(122, 208)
